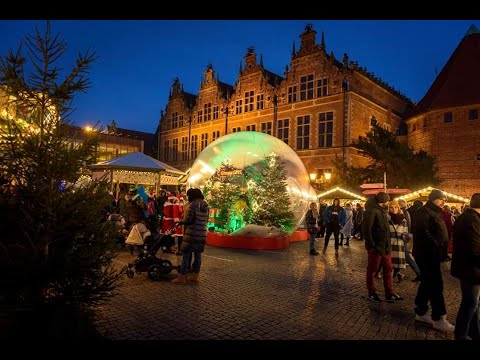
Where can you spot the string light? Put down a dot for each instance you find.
(426, 191)
(356, 196)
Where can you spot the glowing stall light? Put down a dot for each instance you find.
(194, 178)
(343, 191)
(426, 191)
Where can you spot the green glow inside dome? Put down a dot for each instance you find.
(246, 149)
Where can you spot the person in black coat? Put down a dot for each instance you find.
(429, 235)
(466, 267)
(195, 235)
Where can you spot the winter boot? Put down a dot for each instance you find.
(180, 280)
(443, 325)
(193, 277)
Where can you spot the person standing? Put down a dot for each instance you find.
(311, 220)
(466, 267)
(446, 215)
(429, 235)
(194, 237)
(323, 207)
(358, 222)
(375, 229)
(334, 218)
(346, 230)
(408, 240)
(398, 227)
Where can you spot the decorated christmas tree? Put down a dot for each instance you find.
(268, 193)
(223, 190)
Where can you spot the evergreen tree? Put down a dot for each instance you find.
(222, 190)
(268, 193)
(55, 253)
(404, 167)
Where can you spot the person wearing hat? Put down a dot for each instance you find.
(375, 228)
(429, 236)
(466, 267)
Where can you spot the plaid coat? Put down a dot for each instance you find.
(398, 245)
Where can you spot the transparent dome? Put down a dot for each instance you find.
(249, 147)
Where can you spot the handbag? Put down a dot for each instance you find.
(312, 230)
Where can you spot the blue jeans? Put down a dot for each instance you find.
(312, 241)
(411, 262)
(468, 317)
(186, 259)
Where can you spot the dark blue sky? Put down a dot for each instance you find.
(139, 59)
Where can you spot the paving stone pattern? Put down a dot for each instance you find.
(270, 295)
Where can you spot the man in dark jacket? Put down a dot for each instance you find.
(466, 267)
(195, 235)
(429, 235)
(376, 231)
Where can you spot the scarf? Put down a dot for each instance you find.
(396, 218)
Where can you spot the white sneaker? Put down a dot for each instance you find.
(443, 325)
(425, 318)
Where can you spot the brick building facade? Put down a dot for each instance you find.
(445, 122)
(318, 107)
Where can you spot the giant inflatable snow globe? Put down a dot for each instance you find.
(253, 181)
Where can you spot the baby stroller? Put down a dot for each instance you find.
(147, 261)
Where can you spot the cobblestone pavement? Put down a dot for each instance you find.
(279, 294)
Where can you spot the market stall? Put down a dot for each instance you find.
(422, 195)
(342, 194)
(138, 169)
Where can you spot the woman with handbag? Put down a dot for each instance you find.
(311, 220)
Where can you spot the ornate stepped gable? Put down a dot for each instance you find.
(177, 94)
(311, 54)
(210, 84)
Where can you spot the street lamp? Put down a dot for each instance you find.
(328, 175)
(313, 176)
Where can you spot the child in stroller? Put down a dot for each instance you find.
(147, 261)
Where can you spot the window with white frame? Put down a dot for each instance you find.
(249, 97)
(204, 141)
(325, 129)
(207, 111)
(238, 107)
(303, 132)
(292, 94)
(322, 87)
(306, 87)
(266, 127)
(175, 149)
(184, 151)
(283, 130)
(194, 147)
(166, 150)
(260, 102)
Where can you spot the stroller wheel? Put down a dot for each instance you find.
(166, 266)
(155, 272)
(130, 273)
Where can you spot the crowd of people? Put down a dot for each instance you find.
(138, 214)
(393, 233)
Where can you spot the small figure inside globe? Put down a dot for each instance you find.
(254, 178)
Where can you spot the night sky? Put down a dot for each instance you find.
(138, 60)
